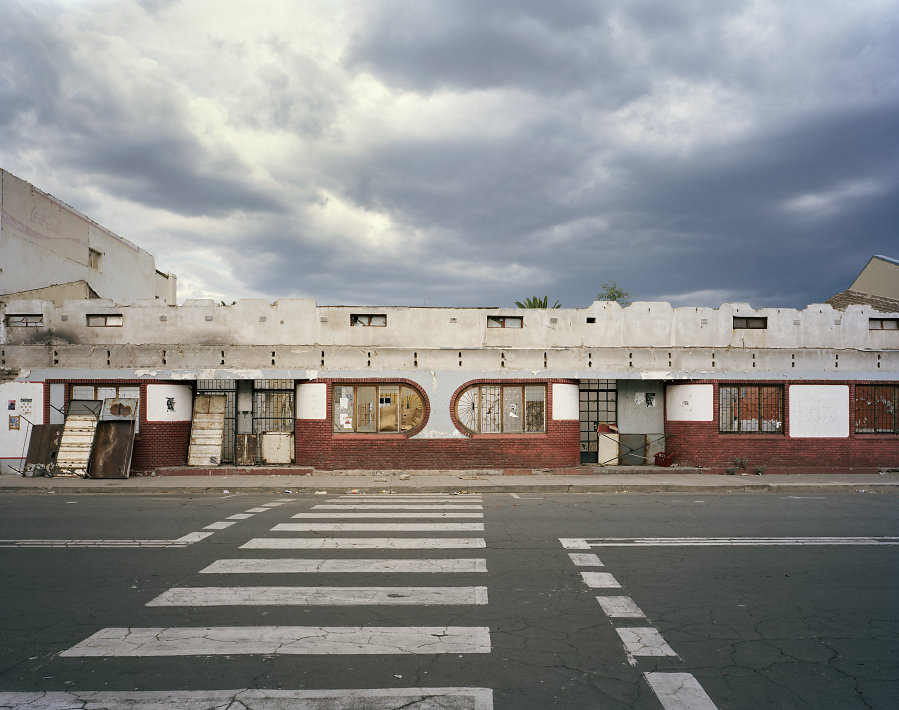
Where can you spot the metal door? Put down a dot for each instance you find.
(598, 404)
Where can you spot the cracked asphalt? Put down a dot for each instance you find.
(757, 626)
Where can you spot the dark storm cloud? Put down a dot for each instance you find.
(133, 144)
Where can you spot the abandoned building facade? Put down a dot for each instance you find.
(333, 387)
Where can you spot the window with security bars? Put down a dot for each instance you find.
(875, 409)
(387, 408)
(750, 409)
(598, 405)
(273, 404)
(503, 409)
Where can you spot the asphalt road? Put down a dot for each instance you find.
(731, 601)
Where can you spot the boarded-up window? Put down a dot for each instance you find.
(502, 409)
(875, 409)
(102, 392)
(753, 323)
(756, 409)
(368, 409)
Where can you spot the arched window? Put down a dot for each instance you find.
(388, 408)
(502, 409)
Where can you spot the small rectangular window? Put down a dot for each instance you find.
(94, 259)
(752, 323)
(25, 320)
(378, 320)
(505, 321)
(883, 323)
(104, 320)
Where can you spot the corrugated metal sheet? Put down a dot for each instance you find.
(77, 437)
(206, 430)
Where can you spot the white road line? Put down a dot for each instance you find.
(732, 541)
(679, 691)
(379, 527)
(401, 506)
(435, 498)
(321, 596)
(574, 543)
(193, 537)
(334, 566)
(292, 640)
(357, 515)
(620, 608)
(239, 516)
(183, 541)
(364, 543)
(600, 580)
(273, 504)
(645, 641)
(220, 525)
(258, 699)
(585, 559)
(256, 510)
(286, 500)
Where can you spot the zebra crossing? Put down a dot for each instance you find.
(340, 526)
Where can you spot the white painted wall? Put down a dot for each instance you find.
(169, 403)
(690, 403)
(819, 411)
(641, 406)
(24, 400)
(565, 401)
(312, 400)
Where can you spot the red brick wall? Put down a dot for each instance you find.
(157, 443)
(700, 443)
(318, 446)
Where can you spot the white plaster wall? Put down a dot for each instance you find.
(312, 400)
(157, 403)
(14, 442)
(641, 406)
(690, 403)
(565, 401)
(819, 411)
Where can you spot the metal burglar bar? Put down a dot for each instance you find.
(229, 389)
(754, 409)
(598, 403)
(273, 402)
(875, 409)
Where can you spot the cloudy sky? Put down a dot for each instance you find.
(468, 152)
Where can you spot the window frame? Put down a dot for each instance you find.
(874, 397)
(496, 392)
(494, 321)
(366, 320)
(28, 320)
(750, 323)
(728, 408)
(881, 322)
(377, 408)
(94, 259)
(92, 318)
(97, 386)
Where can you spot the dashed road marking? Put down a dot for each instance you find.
(679, 691)
(585, 559)
(644, 641)
(620, 608)
(600, 580)
(220, 525)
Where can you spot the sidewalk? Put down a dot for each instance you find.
(635, 480)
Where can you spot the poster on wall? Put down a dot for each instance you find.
(25, 406)
(14, 423)
(11, 405)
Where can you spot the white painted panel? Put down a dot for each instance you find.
(565, 401)
(312, 400)
(690, 403)
(277, 447)
(819, 411)
(23, 406)
(169, 403)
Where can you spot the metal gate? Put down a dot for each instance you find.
(598, 403)
(229, 389)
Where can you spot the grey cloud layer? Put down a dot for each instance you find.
(731, 148)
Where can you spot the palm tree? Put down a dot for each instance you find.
(537, 302)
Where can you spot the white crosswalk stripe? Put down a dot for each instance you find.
(350, 566)
(338, 518)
